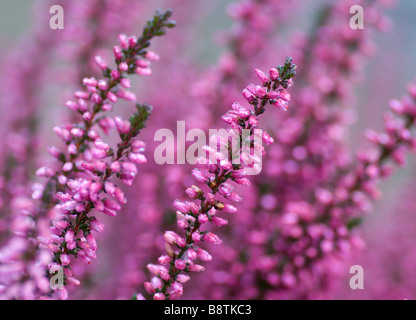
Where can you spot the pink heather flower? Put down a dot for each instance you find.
(126, 95)
(143, 71)
(182, 278)
(281, 104)
(123, 67)
(111, 96)
(164, 260)
(149, 287)
(180, 264)
(122, 125)
(267, 139)
(45, 172)
(203, 218)
(219, 222)
(115, 74)
(274, 74)
(196, 268)
(196, 236)
(248, 95)
(139, 296)
(211, 238)
(117, 52)
(142, 63)
(193, 192)
(229, 208)
(125, 83)
(152, 56)
(203, 255)
(262, 76)
(122, 38)
(171, 237)
(181, 206)
(65, 259)
(100, 62)
(159, 296)
(199, 176)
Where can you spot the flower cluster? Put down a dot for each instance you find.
(82, 181)
(182, 251)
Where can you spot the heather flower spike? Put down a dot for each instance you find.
(183, 251)
(84, 182)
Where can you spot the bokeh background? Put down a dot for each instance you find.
(384, 77)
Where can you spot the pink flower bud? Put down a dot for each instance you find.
(126, 95)
(164, 259)
(91, 242)
(91, 82)
(199, 176)
(151, 56)
(196, 268)
(54, 151)
(196, 236)
(99, 154)
(100, 62)
(137, 158)
(281, 105)
(170, 237)
(182, 278)
(125, 83)
(143, 71)
(397, 106)
(159, 296)
(191, 254)
(260, 92)
(117, 52)
(115, 74)
(61, 224)
(142, 63)
(65, 259)
(103, 85)
(115, 166)
(72, 105)
(111, 204)
(97, 225)
(87, 116)
(122, 38)
(180, 264)
(111, 96)
(229, 208)
(274, 74)
(181, 206)
(177, 288)
(122, 126)
(72, 149)
(183, 224)
(132, 41)
(211, 238)
(219, 222)
(45, 172)
(204, 255)
(202, 218)
(193, 192)
(248, 95)
(262, 76)
(69, 235)
(149, 287)
(62, 293)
